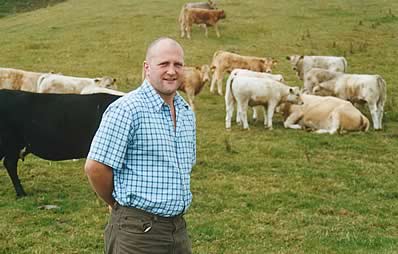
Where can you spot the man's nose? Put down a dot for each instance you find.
(171, 69)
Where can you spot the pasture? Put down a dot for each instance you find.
(256, 191)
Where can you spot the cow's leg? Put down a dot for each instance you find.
(219, 86)
(292, 119)
(191, 97)
(214, 79)
(206, 31)
(270, 113)
(238, 120)
(188, 30)
(265, 116)
(374, 114)
(216, 28)
(242, 109)
(182, 28)
(380, 113)
(229, 109)
(10, 163)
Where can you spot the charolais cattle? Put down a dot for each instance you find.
(51, 126)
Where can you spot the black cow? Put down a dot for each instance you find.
(51, 126)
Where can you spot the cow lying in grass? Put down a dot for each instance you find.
(15, 79)
(324, 115)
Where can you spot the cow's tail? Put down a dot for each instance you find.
(345, 65)
(381, 83)
(229, 96)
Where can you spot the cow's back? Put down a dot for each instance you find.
(53, 126)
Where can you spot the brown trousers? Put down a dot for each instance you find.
(134, 231)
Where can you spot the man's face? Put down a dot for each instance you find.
(164, 69)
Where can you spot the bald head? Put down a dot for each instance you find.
(160, 43)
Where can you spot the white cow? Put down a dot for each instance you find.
(324, 115)
(96, 89)
(302, 64)
(251, 91)
(55, 83)
(256, 74)
(357, 88)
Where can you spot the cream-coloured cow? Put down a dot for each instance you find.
(194, 80)
(15, 79)
(224, 61)
(55, 83)
(357, 88)
(251, 91)
(201, 17)
(302, 64)
(256, 74)
(324, 115)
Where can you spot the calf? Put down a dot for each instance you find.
(55, 83)
(194, 80)
(357, 88)
(302, 64)
(50, 126)
(15, 79)
(200, 16)
(209, 5)
(324, 115)
(249, 73)
(224, 61)
(250, 91)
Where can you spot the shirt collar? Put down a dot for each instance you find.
(156, 102)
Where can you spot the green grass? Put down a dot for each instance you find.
(256, 191)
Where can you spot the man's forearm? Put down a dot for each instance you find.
(101, 180)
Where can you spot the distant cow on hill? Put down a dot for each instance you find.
(200, 16)
(209, 5)
(51, 126)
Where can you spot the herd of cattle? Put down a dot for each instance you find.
(55, 117)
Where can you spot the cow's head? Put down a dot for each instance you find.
(205, 73)
(268, 64)
(212, 5)
(222, 14)
(107, 82)
(297, 65)
(294, 95)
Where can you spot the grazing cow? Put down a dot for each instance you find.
(224, 61)
(250, 91)
(50, 126)
(209, 5)
(200, 16)
(357, 88)
(55, 83)
(324, 115)
(97, 89)
(15, 79)
(194, 80)
(256, 74)
(302, 64)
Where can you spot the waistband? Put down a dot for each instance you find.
(142, 213)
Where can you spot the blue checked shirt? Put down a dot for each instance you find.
(151, 160)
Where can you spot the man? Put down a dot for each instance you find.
(141, 158)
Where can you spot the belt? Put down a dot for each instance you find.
(136, 211)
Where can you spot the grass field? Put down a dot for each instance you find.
(256, 191)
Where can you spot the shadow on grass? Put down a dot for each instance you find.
(10, 7)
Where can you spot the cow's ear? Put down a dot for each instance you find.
(291, 90)
(262, 61)
(301, 57)
(198, 68)
(97, 80)
(288, 58)
(114, 80)
(274, 62)
(315, 89)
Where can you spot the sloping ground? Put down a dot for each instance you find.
(9, 7)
